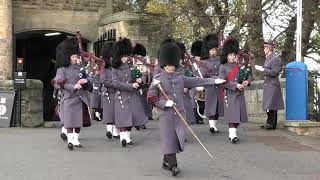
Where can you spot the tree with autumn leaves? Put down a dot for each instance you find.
(251, 21)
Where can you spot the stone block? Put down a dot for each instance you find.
(306, 128)
(260, 94)
(52, 124)
(31, 104)
(251, 95)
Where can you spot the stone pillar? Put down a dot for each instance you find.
(31, 104)
(5, 39)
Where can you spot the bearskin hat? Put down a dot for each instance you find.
(122, 47)
(183, 49)
(64, 50)
(169, 54)
(209, 42)
(229, 46)
(166, 40)
(139, 50)
(196, 48)
(107, 52)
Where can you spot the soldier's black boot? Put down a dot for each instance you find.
(165, 165)
(63, 136)
(123, 137)
(70, 138)
(170, 163)
(235, 140)
(175, 171)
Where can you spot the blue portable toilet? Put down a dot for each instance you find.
(296, 91)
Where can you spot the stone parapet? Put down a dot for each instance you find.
(254, 97)
(147, 29)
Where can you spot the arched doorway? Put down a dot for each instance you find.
(38, 48)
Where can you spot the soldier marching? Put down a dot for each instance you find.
(118, 82)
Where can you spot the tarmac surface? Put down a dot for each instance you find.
(40, 154)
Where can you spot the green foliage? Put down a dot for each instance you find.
(192, 19)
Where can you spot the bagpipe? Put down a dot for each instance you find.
(194, 67)
(244, 59)
(89, 62)
(140, 66)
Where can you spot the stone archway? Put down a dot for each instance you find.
(39, 52)
(56, 20)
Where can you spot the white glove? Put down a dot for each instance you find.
(259, 68)
(169, 103)
(219, 81)
(199, 88)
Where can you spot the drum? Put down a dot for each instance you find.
(200, 95)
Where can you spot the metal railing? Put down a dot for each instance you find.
(97, 45)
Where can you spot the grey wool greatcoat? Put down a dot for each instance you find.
(235, 110)
(58, 82)
(187, 100)
(107, 95)
(172, 129)
(95, 101)
(272, 96)
(128, 107)
(72, 99)
(147, 107)
(212, 99)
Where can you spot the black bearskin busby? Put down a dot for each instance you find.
(64, 50)
(209, 42)
(166, 40)
(169, 53)
(107, 52)
(196, 48)
(122, 47)
(230, 46)
(139, 50)
(183, 49)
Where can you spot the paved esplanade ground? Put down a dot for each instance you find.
(39, 154)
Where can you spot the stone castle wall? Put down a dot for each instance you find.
(73, 5)
(5, 39)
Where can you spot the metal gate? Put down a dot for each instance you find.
(110, 35)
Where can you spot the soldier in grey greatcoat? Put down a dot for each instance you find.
(75, 98)
(272, 95)
(103, 80)
(172, 129)
(140, 51)
(211, 65)
(198, 104)
(187, 98)
(58, 82)
(235, 111)
(95, 100)
(128, 105)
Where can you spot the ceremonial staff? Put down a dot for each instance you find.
(157, 84)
